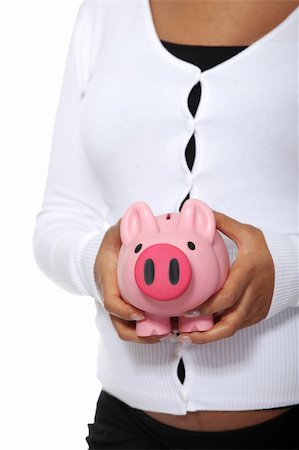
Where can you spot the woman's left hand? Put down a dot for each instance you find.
(246, 296)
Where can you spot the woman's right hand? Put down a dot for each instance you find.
(122, 314)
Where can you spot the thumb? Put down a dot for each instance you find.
(230, 227)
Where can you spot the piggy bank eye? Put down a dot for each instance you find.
(191, 245)
(138, 248)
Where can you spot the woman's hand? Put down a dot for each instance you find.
(247, 293)
(122, 314)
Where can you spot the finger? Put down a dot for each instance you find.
(230, 227)
(234, 287)
(127, 332)
(115, 305)
(231, 321)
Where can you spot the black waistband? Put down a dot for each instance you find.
(278, 433)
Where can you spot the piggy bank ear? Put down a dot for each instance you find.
(137, 218)
(196, 215)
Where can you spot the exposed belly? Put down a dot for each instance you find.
(217, 420)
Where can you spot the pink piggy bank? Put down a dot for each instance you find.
(170, 264)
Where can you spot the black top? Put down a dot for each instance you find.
(203, 56)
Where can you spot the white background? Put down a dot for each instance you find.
(49, 387)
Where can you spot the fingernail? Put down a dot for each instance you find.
(190, 314)
(135, 316)
(184, 339)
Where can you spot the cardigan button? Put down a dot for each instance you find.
(190, 123)
(183, 396)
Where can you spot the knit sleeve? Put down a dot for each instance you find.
(72, 220)
(284, 250)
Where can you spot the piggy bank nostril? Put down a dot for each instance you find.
(149, 271)
(174, 271)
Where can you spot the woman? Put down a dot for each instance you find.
(144, 82)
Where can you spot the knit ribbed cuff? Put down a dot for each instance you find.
(82, 258)
(284, 251)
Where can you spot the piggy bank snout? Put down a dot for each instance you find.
(162, 272)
